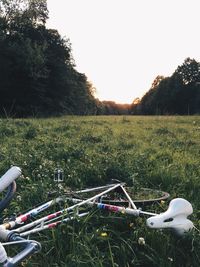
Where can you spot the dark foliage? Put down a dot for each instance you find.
(38, 75)
(37, 71)
(178, 94)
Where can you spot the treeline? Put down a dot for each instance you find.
(112, 108)
(37, 70)
(177, 94)
(38, 75)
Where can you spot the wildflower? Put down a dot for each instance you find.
(141, 241)
(131, 225)
(19, 198)
(104, 234)
(123, 211)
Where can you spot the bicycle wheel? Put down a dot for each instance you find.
(117, 197)
(141, 196)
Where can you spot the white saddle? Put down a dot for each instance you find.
(175, 217)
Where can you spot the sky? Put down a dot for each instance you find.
(122, 45)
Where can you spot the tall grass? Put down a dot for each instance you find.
(157, 152)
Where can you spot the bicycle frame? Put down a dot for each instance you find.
(14, 231)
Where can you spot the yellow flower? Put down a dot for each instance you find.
(104, 234)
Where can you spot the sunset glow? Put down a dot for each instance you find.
(122, 46)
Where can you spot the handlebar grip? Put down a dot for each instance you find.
(12, 174)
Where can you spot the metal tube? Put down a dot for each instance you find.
(129, 198)
(147, 213)
(58, 213)
(34, 212)
(51, 225)
(95, 188)
(29, 249)
(113, 208)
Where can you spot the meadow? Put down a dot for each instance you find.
(161, 152)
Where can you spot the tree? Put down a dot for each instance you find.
(24, 11)
(189, 71)
(157, 81)
(37, 74)
(178, 94)
(36, 11)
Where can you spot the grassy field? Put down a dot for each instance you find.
(157, 152)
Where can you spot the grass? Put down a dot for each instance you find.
(158, 152)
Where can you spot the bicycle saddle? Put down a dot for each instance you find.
(175, 217)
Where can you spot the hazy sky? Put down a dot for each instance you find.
(122, 45)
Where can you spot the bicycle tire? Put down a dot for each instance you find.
(152, 196)
(143, 196)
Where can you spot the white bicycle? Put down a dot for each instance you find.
(114, 197)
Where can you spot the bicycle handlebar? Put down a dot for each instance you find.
(12, 174)
(29, 247)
